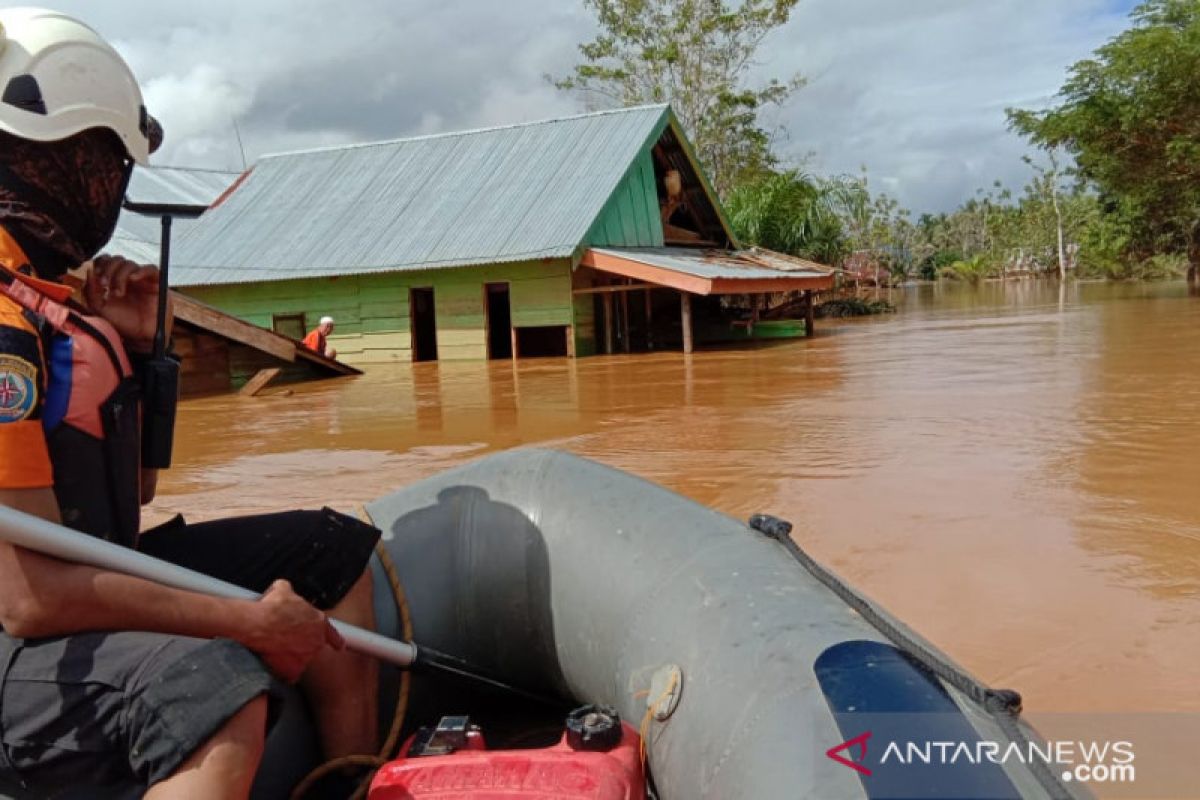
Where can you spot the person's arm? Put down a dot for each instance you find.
(126, 294)
(42, 596)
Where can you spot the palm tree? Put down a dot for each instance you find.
(971, 270)
(792, 213)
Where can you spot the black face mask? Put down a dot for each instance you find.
(61, 200)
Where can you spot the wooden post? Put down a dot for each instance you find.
(625, 319)
(649, 325)
(685, 312)
(810, 315)
(259, 381)
(570, 341)
(608, 324)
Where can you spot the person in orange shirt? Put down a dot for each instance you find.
(106, 680)
(318, 338)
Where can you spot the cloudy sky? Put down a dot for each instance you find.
(913, 90)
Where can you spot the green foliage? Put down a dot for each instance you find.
(792, 213)
(970, 270)
(1104, 244)
(930, 267)
(1154, 268)
(696, 55)
(1130, 117)
(853, 307)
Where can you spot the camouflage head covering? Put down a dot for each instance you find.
(60, 200)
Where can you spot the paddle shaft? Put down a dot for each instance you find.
(43, 536)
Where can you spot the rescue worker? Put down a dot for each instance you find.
(107, 679)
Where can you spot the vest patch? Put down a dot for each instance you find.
(18, 388)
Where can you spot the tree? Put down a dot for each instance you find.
(1130, 117)
(1052, 216)
(696, 55)
(880, 228)
(792, 213)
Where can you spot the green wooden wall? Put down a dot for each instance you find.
(631, 218)
(371, 311)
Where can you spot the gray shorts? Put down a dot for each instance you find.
(102, 709)
(114, 709)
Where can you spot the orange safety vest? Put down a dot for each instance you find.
(77, 411)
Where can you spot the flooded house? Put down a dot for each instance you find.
(569, 237)
(219, 352)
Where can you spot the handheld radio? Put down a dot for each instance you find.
(160, 376)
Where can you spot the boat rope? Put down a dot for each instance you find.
(1003, 705)
(374, 762)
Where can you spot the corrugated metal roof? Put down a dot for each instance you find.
(720, 264)
(137, 235)
(181, 186)
(516, 193)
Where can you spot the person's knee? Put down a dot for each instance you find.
(248, 727)
(237, 746)
(225, 765)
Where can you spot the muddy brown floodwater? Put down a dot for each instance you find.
(1013, 472)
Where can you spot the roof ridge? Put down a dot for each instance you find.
(467, 132)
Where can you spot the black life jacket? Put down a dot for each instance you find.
(91, 416)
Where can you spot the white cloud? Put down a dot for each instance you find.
(915, 90)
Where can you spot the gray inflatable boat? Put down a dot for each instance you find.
(753, 672)
(768, 677)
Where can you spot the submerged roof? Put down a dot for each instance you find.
(515, 193)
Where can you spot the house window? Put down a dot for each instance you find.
(289, 325)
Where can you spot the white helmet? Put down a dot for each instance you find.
(59, 78)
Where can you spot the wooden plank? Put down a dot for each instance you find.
(691, 243)
(649, 322)
(625, 287)
(675, 234)
(785, 283)
(210, 319)
(625, 321)
(628, 268)
(608, 324)
(810, 316)
(685, 309)
(259, 381)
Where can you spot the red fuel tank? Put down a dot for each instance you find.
(453, 762)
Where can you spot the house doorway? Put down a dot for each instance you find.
(424, 325)
(499, 320)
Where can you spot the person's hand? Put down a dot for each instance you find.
(287, 632)
(126, 294)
